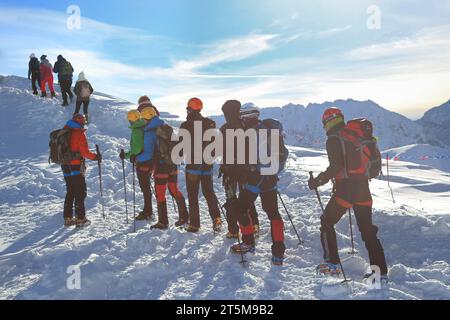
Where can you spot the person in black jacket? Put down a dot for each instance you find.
(34, 73)
(347, 193)
(199, 174)
(65, 75)
(83, 90)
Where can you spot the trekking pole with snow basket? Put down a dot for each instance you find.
(323, 212)
(125, 186)
(300, 241)
(134, 198)
(101, 184)
(353, 252)
(388, 177)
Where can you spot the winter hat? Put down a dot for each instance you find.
(134, 115)
(43, 57)
(148, 113)
(144, 100)
(195, 104)
(249, 112)
(331, 118)
(32, 55)
(81, 76)
(79, 118)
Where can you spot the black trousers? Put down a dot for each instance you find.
(363, 214)
(144, 172)
(35, 77)
(193, 182)
(65, 89)
(85, 104)
(231, 187)
(76, 193)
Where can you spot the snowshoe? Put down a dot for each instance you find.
(180, 223)
(242, 248)
(217, 225)
(192, 229)
(231, 235)
(80, 223)
(159, 226)
(68, 222)
(144, 216)
(277, 261)
(329, 269)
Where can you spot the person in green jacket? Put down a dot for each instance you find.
(137, 126)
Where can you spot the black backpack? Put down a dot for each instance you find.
(283, 152)
(165, 143)
(59, 147)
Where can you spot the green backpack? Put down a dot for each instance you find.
(66, 68)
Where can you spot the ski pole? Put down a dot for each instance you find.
(388, 177)
(351, 232)
(134, 198)
(300, 241)
(101, 184)
(125, 185)
(323, 212)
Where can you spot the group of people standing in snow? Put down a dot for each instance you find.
(41, 74)
(242, 183)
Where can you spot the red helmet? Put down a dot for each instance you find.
(79, 118)
(331, 117)
(195, 104)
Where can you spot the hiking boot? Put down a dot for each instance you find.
(192, 229)
(277, 261)
(43, 94)
(82, 222)
(242, 248)
(217, 225)
(35, 93)
(180, 223)
(53, 94)
(329, 269)
(68, 222)
(144, 216)
(159, 226)
(86, 116)
(230, 235)
(64, 104)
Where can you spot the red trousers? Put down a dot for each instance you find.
(49, 81)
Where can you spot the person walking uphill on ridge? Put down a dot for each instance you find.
(350, 190)
(46, 76)
(65, 74)
(34, 73)
(199, 173)
(83, 90)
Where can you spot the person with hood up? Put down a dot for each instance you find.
(65, 74)
(83, 90)
(34, 73)
(46, 76)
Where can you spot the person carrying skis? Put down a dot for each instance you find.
(65, 74)
(233, 173)
(200, 173)
(74, 173)
(46, 76)
(265, 186)
(349, 191)
(83, 90)
(34, 73)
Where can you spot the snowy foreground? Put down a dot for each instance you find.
(35, 250)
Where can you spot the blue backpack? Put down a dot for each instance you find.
(283, 152)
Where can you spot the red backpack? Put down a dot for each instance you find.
(361, 153)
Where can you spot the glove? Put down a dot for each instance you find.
(122, 154)
(98, 157)
(314, 183)
(133, 159)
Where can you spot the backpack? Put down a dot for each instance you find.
(283, 152)
(66, 68)
(361, 152)
(165, 143)
(59, 147)
(35, 65)
(85, 90)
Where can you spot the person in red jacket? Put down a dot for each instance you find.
(74, 173)
(46, 72)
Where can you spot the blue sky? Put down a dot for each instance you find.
(267, 52)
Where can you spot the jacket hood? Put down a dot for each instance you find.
(81, 77)
(60, 58)
(156, 122)
(194, 116)
(74, 125)
(138, 124)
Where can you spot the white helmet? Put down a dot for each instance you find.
(32, 55)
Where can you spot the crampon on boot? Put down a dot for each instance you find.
(82, 222)
(192, 229)
(242, 248)
(277, 261)
(329, 269)
(68, 222)
(144, 216)
(180, 223)
(159, 226)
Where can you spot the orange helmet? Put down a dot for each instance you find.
(195, 104)
(332, 117)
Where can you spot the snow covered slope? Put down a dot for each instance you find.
(436, 123)
(35, 250)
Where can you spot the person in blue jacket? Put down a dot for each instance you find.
(145, 160)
